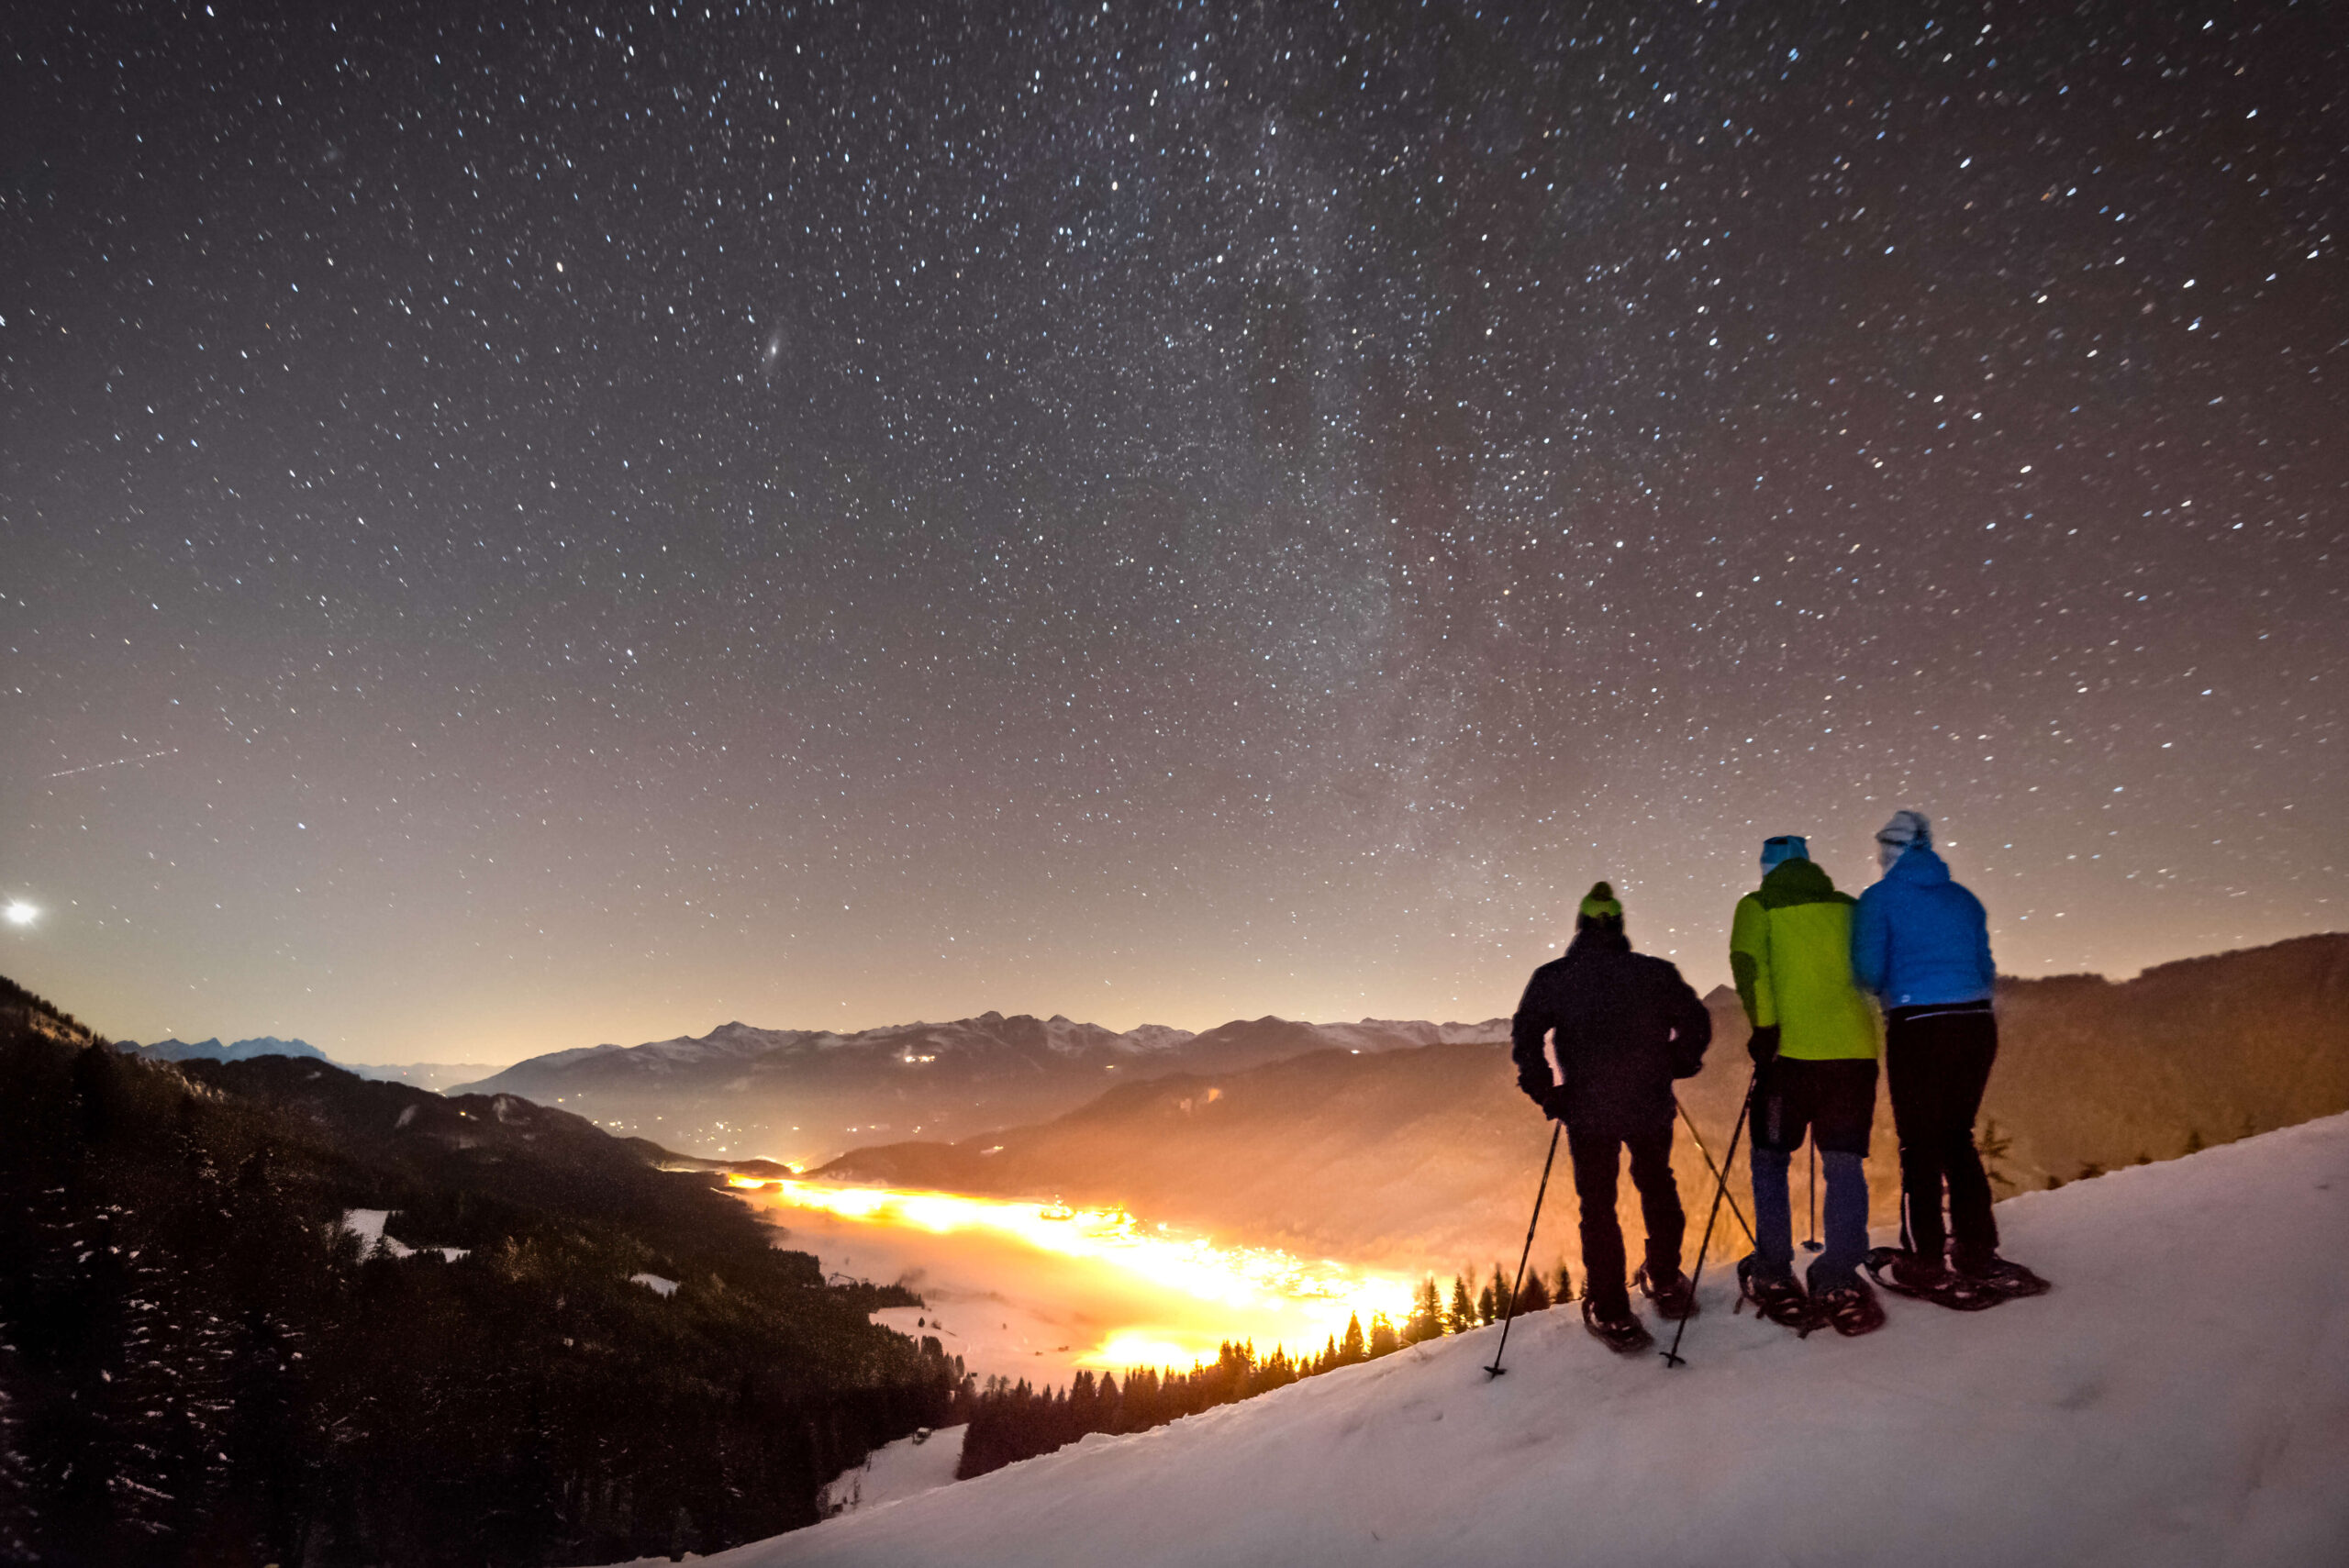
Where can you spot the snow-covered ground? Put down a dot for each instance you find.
(897, 1470)
(2181, 1398)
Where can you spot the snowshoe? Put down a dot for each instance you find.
(1625, 1335)
(1676, 1300)
(1851, 1309)
(2011, 1280)
(1780, 1300)
(1905, 1274)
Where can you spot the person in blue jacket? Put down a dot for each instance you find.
(1921, 943)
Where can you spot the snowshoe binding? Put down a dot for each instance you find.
(2011, 1280)
(1779, 1299)
(1906, 1273)
(1625, 1335)
(1675, 1299)
(1851, 1309)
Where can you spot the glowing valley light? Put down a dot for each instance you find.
(20, 914)
(1255, 1281)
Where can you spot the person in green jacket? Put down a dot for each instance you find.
(1814, 1049)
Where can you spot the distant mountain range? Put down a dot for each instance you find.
(797, 1095)
(213, 1051)
(434, 1076)
(1426, 1156)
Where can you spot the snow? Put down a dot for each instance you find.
(2181, 1398)
(367, 1224)
(655, 1284)
(897, 1470)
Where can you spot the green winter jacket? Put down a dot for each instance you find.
(1790, 952)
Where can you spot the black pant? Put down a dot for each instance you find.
(1938, 1064)
(1833, 1101)
(1594, 1162)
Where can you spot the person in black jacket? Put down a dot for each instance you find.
(1621, 1027)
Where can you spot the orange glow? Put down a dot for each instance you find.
(1256, 1293)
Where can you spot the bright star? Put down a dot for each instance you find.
(20, 914)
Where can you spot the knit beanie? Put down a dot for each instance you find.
(1600, 903)
(1907, 830)
(1785, 846)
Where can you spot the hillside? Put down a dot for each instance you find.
(803, 1095)
(1427, 1157)
(2181, 1398)
(198, 1363)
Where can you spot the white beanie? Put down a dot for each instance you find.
(1907, 830)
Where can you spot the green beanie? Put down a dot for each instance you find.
(1600, 903)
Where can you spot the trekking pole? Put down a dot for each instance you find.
(1698, 1140)
(1811, 1243)
(1515, 1291)
(1672, 1356)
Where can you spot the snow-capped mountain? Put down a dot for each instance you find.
(798, 1093)
(213, 1051)
(2181, 1397)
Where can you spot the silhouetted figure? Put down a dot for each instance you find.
(1622, 1025)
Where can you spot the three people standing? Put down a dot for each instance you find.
(1602, 1033)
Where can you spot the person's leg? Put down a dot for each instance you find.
(1659, 1203)
(1777, 1129)
(1595, 1160)
(1841, 1113)
(1971, 1044)
(1910, 1070)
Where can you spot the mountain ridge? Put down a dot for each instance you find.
(803, 1093)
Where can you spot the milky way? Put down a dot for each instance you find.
(583, 522)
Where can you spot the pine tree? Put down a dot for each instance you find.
(1426, 1321)
(1535, 1297)
(1464, 1311)
(1352, 1349)
(1384, 1341)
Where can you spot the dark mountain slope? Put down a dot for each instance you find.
(197, 1366)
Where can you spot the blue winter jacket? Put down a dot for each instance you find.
(1919, 939)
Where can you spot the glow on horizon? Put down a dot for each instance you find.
(1264, 1293)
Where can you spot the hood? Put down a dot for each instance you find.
(1920, 865)
(1597, 939)
(1803, 877)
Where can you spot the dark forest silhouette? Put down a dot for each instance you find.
(1012, 1421)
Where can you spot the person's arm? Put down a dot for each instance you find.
(1749, 961)
(1692, 1024)
(1871, 944)
(1982, 959)
(1528, 1034)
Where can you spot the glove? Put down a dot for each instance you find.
(1763, 1046)
(1553, 1104)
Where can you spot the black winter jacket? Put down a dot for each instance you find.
(1627, 1025)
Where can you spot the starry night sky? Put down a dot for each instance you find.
(529, 524)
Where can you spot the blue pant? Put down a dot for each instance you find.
(1846, 1219)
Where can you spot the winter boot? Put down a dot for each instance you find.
(1850, 1307)
(1906, 1273)
(1986, 1268)
(1623, 1334)
(1674, 1299)
(1777, 1297)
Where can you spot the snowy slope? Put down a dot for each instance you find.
(2182, 1397)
